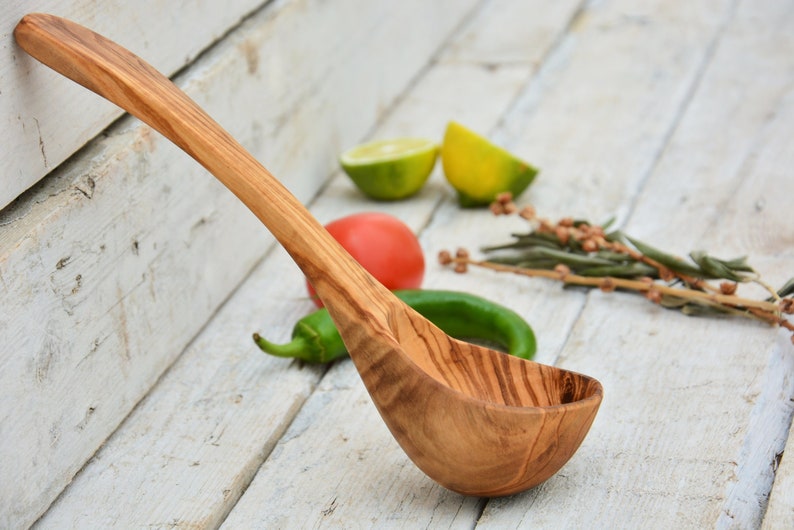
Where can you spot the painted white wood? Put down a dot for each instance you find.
(352, 474)
(191, 447)
(676, 117)
(500, 37)
(780, 512)
(114, 263)
(695, 410)
(46, 118)
(598, 113)
(730, 159)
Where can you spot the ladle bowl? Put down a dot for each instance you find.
(475, 420)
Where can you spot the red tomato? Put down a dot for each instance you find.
(383, 245)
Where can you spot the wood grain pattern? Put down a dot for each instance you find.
(537, 428)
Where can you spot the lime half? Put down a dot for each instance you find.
(480, 170)
(389, 170)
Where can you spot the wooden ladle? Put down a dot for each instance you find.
(477, 421)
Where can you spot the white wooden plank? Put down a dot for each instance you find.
(780, 512)
(110, 267)
(744, 94)
(317, 125)
(192, 445)
(695, 409)
(609, 487)
(601, 107)
(498, 38)
(738, 181)
(337, 465)
(37, 104)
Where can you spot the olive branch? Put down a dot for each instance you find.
(577, 252)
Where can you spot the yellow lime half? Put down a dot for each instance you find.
(480, 170)
(393, 169)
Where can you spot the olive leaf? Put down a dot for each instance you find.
(717, 268)
(786, 290)
(711, 310)
(527, 240)
(629, 270)
(671, 262)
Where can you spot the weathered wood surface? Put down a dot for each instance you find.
(780, 512)
(674, 116)
(112, 266)
(439, 410)
(35, 104)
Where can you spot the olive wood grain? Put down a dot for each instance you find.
(477, 421)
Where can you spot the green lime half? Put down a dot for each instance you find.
(389, 170)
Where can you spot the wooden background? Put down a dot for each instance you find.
(131, 281)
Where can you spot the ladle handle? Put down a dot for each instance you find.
(120, 76)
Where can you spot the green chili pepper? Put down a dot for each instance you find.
(464, 316)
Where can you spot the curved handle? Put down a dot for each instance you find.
(123, 78)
